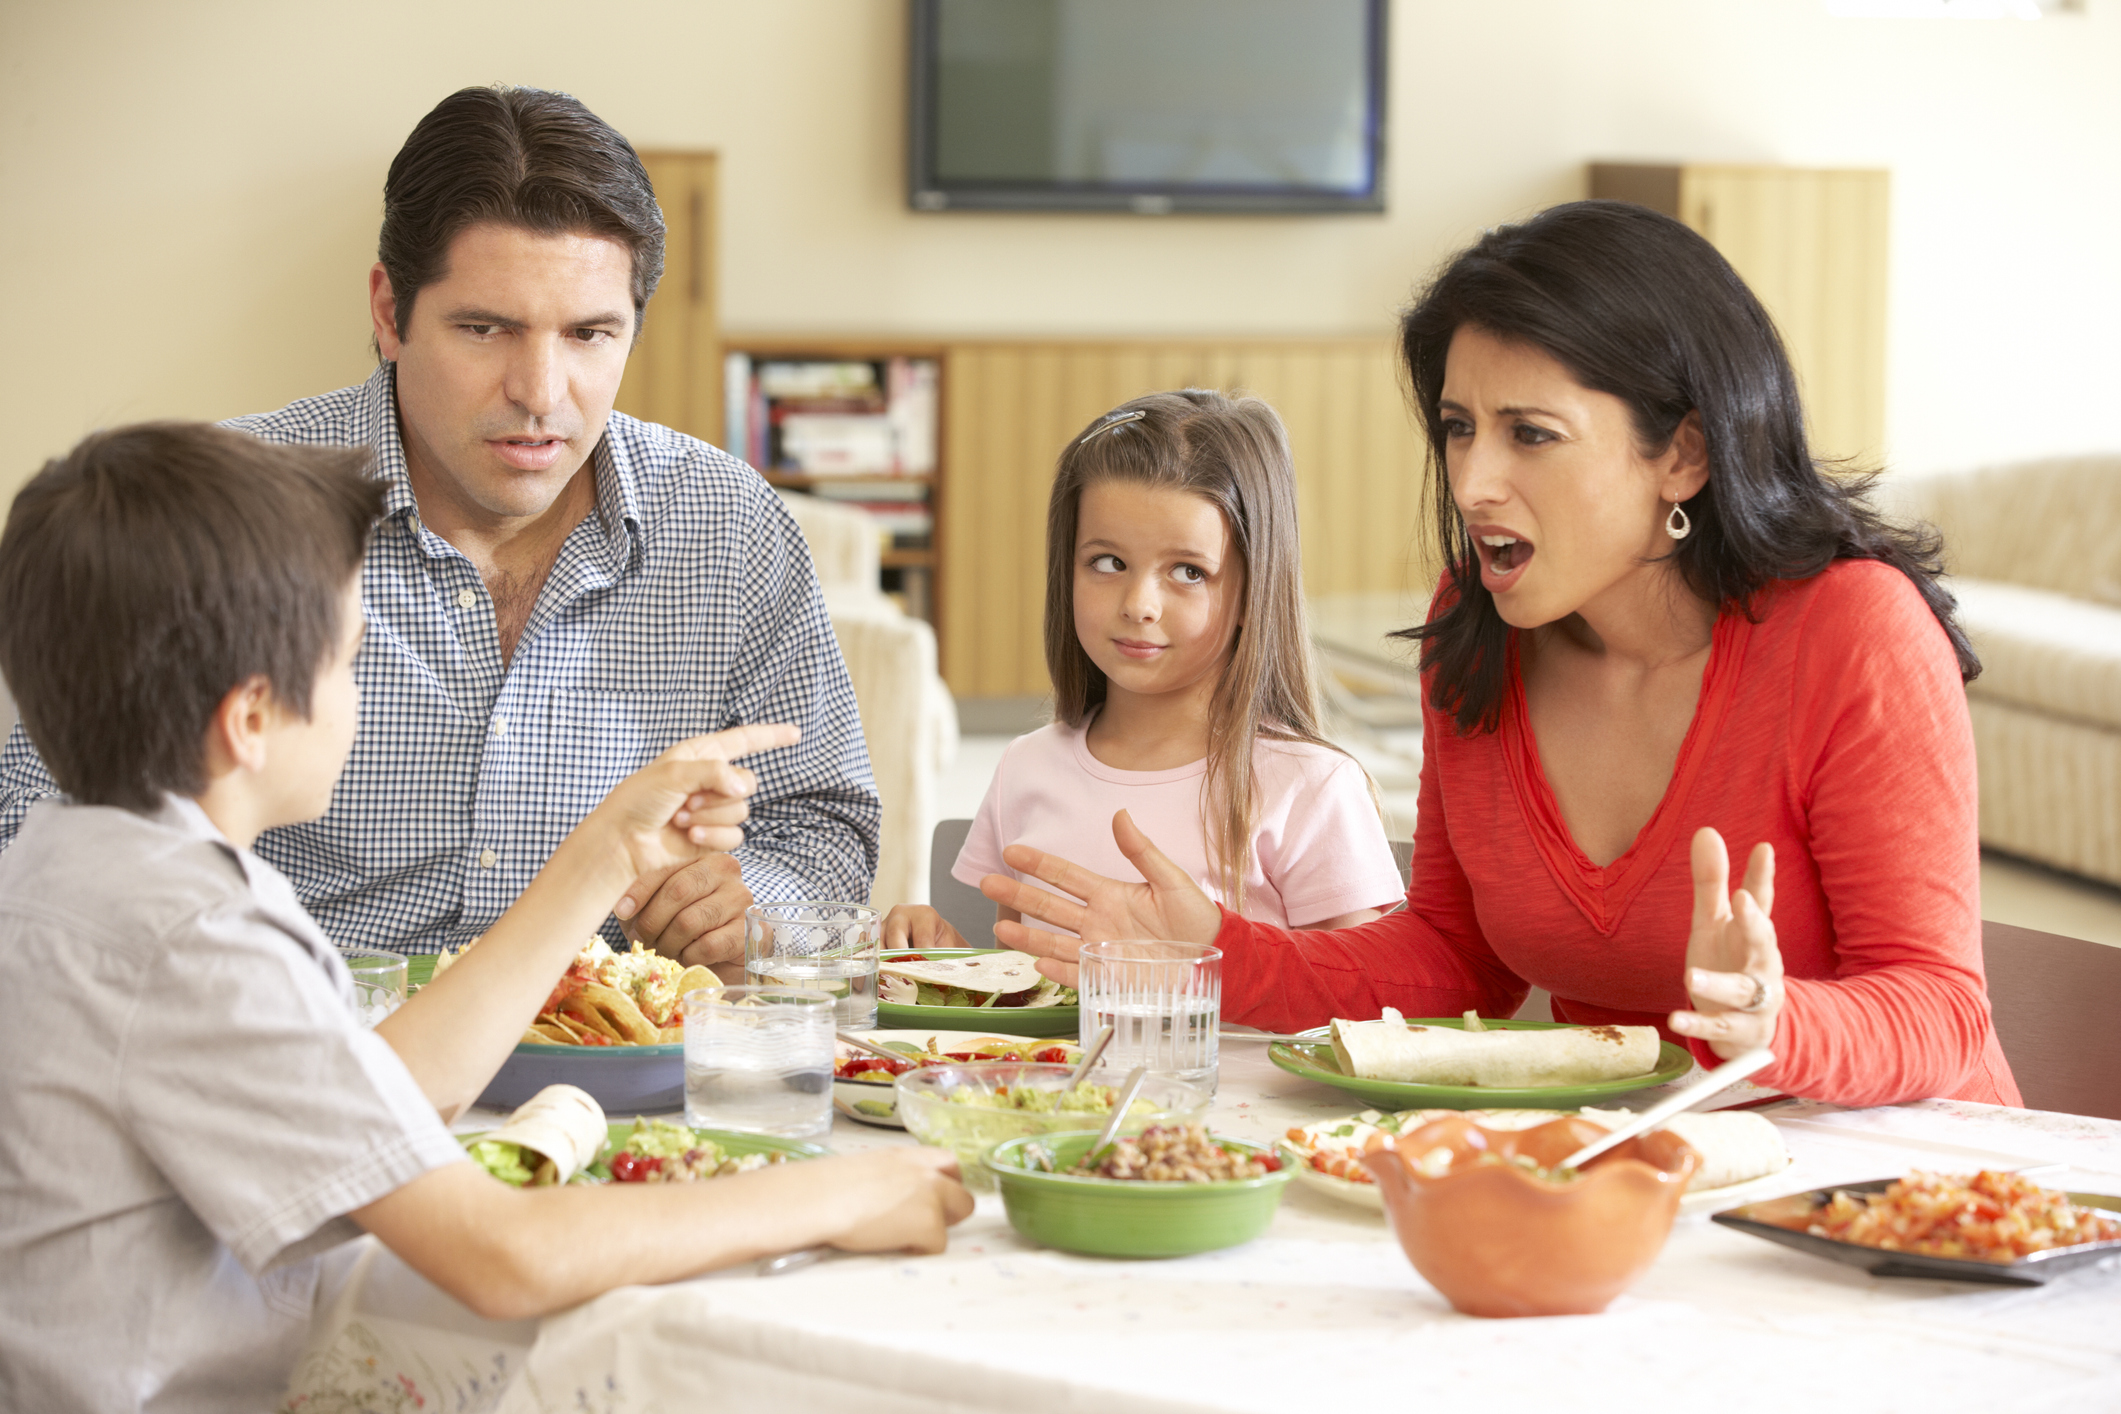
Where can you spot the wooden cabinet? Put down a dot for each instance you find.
(674, 375)
(911, 558)
(1812, 244)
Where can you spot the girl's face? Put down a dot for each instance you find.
(1159, 588)
(1562, 505)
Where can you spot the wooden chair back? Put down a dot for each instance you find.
(2057, 1007)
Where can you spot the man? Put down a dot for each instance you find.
(557, 592)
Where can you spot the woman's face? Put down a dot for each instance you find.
(1563, 507)
(1159, 587)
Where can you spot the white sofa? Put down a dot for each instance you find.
(2035, 554)
(908, 716)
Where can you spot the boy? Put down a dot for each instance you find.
(192, 1113)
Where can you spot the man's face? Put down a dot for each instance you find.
(508, 367)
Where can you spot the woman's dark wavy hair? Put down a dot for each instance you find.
(1637, 305)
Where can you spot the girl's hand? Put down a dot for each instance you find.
(1734, 967)
(687, 802)
(916, 925)
(1170, 906)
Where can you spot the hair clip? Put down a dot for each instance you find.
(1117, 419)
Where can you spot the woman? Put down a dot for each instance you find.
(1660, 623)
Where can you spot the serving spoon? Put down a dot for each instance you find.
(1091, 1056)
(1723, 1077)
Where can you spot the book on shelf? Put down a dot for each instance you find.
(845, 417)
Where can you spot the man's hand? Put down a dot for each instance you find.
(692, 912)
(1170, 906)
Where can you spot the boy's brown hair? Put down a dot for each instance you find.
(153, 569)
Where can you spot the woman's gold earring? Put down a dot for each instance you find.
(1677, 525)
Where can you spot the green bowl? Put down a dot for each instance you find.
(1004, 1020)
(1110, 1217)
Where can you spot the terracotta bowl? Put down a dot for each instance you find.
(1499, 1241)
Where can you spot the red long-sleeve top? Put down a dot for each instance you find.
(1835, 728)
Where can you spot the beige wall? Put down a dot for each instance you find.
(191, 190)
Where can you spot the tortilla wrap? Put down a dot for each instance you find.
(560, 1122)
(1735, 1145)
(1390, 1049)
(1004, 970)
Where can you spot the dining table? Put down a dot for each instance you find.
(1321, 1312)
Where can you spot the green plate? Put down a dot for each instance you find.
(1001, 1020)
(1314, 1060)
(419, 969)
(1109, 1217)
(736, 1143)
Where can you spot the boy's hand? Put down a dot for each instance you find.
(686, 803)
(916, 925)
(896, 1200)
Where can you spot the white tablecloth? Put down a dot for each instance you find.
(1323, 1305)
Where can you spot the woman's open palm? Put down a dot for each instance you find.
(1733, 963)
(1169, 907)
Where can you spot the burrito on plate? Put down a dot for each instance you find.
(1735, 1145)
(549, 1139)
(1002, 978)
(1390, 1049)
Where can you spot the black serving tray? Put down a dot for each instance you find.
(1759, 1220)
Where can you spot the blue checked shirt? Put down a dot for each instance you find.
(686, 604)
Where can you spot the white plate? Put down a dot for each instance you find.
(1367, 1195)
(881, 1096)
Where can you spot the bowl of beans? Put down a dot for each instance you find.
(1169, 1191)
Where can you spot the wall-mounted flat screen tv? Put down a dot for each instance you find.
(1151, 106)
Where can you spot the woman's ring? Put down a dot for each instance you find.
(1759, 996)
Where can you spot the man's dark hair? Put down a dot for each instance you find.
(153, 569)
(521, 157)
(1637, 305)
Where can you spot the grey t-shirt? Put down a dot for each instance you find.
(189, 1110)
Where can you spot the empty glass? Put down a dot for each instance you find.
(821, 945)
(1163, 1002)
(759, 1060)
(379, 982)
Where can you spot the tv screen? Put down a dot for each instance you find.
(1147, 105)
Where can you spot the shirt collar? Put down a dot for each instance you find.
(376, 423)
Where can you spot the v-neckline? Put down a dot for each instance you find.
(1603, 892)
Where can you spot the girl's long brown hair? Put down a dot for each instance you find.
(1233, 453)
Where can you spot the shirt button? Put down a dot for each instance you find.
(487, 858)
(500, 726)
(465, 598)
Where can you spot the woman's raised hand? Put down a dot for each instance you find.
(1733, 964)
(1170, 906)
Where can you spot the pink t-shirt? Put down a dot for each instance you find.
(1318, 848)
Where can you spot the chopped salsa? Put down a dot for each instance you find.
(1990, 1217)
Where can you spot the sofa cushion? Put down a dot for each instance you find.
(2050, 524)
(2048, 652)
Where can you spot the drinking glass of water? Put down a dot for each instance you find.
(825, 946)
(378, 982)
(759, 1060)
(1163, 1002)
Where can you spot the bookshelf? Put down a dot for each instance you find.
(856, 421)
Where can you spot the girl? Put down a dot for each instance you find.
(1175, 637)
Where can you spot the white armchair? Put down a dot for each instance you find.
(2035, 554)
(908, 716)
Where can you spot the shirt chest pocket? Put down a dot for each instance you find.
(594, 740)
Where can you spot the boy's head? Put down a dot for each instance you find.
(155, 570)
